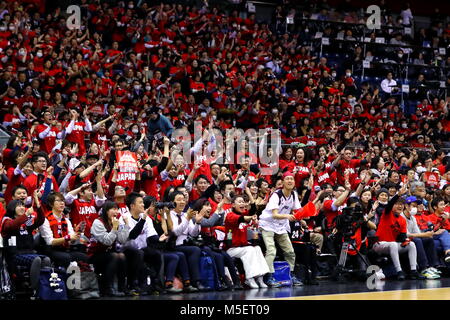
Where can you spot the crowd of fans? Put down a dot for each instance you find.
(74, 101)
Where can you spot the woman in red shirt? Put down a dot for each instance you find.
(237, 222)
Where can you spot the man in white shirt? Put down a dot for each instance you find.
(142, 232)
(274, 222)
(389, 85)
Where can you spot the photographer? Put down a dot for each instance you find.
(159, 213)
(353, 227)
(392, 236)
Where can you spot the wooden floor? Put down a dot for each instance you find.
(414, 294)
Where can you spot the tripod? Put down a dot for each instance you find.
(340, 268)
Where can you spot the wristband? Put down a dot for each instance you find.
(67, 238)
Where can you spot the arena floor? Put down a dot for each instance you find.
(327, 290)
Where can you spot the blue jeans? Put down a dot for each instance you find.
(442, 241)
(426, 253)
(173, 261)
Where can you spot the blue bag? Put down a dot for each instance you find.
(282, 273)
(52, 285)
(208, 272)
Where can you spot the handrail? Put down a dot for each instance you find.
(378, 44)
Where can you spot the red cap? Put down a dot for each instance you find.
(288, 174)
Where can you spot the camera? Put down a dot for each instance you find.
(168, 205)
(349, 220)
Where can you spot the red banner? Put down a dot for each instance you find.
(431, 179)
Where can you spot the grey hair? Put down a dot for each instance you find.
(415, 185)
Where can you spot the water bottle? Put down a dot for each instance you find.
(229, 238)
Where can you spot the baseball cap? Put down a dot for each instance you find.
(412, 199)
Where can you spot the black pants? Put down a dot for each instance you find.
(154, 259)
(135, 261)
(64, 258)
(305, 254)
(193, 258)
(110, 264)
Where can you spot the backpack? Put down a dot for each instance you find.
(208, 272)
(282, 273)
(52, 285)
(280, 194)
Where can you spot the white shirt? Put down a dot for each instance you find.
(284, 206)
(46, 231)
(411, 224)
(147, 231)
(386, 85)
(185, 228)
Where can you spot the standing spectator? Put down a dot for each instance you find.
(274, 223)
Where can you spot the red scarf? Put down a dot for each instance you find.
(59, 229)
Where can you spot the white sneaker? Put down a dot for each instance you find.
(434, 270)
(251, 283)
(260, 282)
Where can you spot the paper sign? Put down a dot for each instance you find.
(289, 20)
(367, 39)
(326, 41)
(405, 88)
(318, 35)
(442, 51)
(379, 40)
(127, 161)
(366, 64)
(408, 31)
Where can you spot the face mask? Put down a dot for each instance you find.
(413, 211)
(148, 88)
(305, 76)
(348, 74)
(203, 114)
(214, 117)
(137, 87)
(391, 124)
(372, 111)
(131, 6)
(400, 56)
(11, 28)
(39, 54)
(144, 115)
(3, 28)
(404, 125)
(274, 111)
(334, 75)
(307, 110)
(135, 130)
